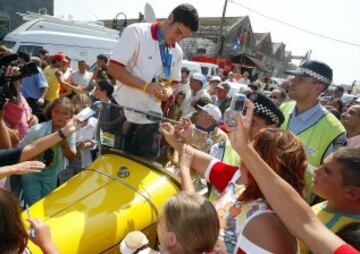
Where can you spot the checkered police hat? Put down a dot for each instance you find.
(265, 107)
(316, 69)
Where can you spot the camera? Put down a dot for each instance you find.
(7, 89)
(237, 104)
(48, 157)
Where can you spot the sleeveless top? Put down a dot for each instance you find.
(234, 216)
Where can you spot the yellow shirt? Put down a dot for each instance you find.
(333, 221)
(54, 85)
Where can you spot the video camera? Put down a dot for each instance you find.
(7, 89)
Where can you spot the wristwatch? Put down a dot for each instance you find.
(61, 133)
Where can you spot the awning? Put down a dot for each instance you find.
(247, 60)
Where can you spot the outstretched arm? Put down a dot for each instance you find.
(200, 159)
(40, 145)
(288, 204)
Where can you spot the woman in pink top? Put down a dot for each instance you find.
(18, 114)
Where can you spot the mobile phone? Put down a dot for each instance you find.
(32, 232)
(48, 157)
(237, 105)
(85, 114)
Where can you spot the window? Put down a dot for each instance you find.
(205, 70)
(201, 51)
(4, 26)
(29, 49)
(8, 44)
(213, 71)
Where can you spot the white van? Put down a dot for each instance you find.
(208, 69)
(79, 40)
(193, 67)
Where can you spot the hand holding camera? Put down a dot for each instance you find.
(237, 106)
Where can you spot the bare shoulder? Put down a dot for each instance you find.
(267, 231)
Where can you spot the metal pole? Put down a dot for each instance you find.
(221, 36)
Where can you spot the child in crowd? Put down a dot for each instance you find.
(182, 226)
(175, 111)
(84, 138)
(36, 186)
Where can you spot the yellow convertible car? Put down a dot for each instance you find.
(95, 209)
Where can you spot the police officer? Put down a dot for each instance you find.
(319, 130)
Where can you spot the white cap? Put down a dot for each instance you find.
(215, 78)
(133, 241)
(199, 77)
(212, 110)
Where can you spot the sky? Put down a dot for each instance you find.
(338, 19)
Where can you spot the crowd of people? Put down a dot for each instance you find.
(284, 179)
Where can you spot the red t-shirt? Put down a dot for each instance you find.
(346, 249)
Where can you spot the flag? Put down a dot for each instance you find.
(239, 40)
(237, 44)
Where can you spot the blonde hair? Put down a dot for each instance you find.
(194, 220)
(82, 98)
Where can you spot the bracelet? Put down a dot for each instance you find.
(61, 133)
(145, 87)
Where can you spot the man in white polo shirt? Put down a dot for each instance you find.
(145, 62)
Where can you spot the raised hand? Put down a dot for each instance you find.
(72, 125)
(186, 158)
(42, 236)
(239, 134)
(27, 167)
(184, 129)
(168, 131)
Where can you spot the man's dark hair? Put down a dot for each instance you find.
(105, 85)
(282, 93)
(103, 57)
(339, 89)
(185, 69)
(348, 159)
(187, 15)
(24, 56)
(202, 102)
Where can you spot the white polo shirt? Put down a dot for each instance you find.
(80, 79)
(138, 51)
